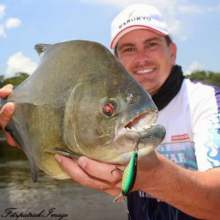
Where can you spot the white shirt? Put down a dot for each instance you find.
(192, 124)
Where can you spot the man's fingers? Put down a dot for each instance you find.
(6, 90)
(10, 140)
(84, 178)
(108, 172)
(6, 114)
(70, 167)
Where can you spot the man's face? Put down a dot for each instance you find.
(146, 55)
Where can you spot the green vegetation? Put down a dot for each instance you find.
(16, 80)
(206, 76)
(203, 76)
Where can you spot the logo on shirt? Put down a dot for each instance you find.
(180, 137)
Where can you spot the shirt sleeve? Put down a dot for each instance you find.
(205, 107)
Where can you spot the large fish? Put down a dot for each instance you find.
(81, 101)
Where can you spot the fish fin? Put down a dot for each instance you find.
(119, 198)
(62, 152)
(41, 48)
(10, 127)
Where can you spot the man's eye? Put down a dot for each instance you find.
(151, 44)
(128, 49)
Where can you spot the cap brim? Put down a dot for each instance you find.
(131, 28)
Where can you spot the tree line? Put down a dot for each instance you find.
(16, 80)
(203, 76)
(199, 75)
(206, 76)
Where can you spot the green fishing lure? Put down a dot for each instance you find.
(128, 178)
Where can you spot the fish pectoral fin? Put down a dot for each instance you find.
(62, 152)
(24, 144)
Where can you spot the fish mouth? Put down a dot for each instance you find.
(141, 129)
(140, 124)
(142, 121)
(141, 132)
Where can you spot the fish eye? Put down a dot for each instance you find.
(108, 109)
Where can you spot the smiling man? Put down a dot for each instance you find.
(180, 180)
(147, 56)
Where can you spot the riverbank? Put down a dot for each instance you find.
(2, 137)
(62, 196)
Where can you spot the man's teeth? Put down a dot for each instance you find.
(144, 71)
(138, 129)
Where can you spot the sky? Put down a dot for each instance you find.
(194, 24)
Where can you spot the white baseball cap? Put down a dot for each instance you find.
(137, 16)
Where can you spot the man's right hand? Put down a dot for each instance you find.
(6, 113)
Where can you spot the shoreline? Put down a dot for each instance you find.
(2, 137)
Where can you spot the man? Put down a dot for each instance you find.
(181, 179)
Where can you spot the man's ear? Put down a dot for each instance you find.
(173, 52)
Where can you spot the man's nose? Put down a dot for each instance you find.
(142, 57)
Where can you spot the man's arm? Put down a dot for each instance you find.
(6, 113)
(193, 192)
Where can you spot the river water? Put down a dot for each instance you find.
(48, 198)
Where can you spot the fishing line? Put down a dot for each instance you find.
(126, 209)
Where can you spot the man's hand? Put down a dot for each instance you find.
(101, 176)
(107, 177)
(6, 113)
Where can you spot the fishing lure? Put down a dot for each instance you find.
(128, 178)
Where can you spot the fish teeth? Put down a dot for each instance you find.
(138, 129)
(147, 126)
(133, 129)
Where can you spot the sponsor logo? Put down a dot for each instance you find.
(180, 137)
(130, 20)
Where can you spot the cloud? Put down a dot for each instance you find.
(19, 63)
(211, 9)
(9, 24)
(183, 38)
(195, 9)
(193, 67)
(12, 23)
(161, 4)
(191, 9)
(214, 9)
(168, 8)
(2, 11)
(174, 27)
(2, 31)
